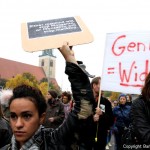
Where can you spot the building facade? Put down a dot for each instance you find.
(46, 68)
(48, 62)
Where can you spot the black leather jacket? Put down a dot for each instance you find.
(5, 132)
(140, 117)
(61, 138)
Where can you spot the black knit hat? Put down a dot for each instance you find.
(53, 93)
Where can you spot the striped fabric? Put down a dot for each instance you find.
(29, 145)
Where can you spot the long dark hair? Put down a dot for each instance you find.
(146, 88)
(1, 112)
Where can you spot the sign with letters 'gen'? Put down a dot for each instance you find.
(48, 34)
(126, 62)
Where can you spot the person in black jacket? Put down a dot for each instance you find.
(122, 120)
(103, 118)
(55, 111)
(27, 112)
(5, 130)
(140, 115)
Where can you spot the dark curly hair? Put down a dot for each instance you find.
(67, 94)
(31, 93)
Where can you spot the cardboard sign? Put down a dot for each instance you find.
(49, 34)
(126, 62)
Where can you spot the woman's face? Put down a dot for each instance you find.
(128, 98)
(24, 119)
(122, 100)
(48, 96)
(65, 99)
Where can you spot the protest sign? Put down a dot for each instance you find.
(126, 62)
(48, 34)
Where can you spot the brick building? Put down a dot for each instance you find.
(46, 68)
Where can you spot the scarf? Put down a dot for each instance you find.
(29, 145)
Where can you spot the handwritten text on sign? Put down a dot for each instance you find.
(52, 27)
(126, 62)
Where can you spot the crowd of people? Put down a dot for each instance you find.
(82, 119)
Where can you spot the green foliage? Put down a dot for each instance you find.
(29, 79)
(112, 95)
(43, 86)
(51, 85)
(115, 95)
(18, 80)
(107, 93)
(43, 80)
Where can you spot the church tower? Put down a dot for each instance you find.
(48, 62)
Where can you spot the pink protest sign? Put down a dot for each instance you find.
(126, 62)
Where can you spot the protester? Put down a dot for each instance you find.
(115, 103)
(28, 107)
(140, 115)
(5, 130)
(55, 110)
(103, 118)
(129, 99)
(108, 143)
(122, 119)
(66, 98)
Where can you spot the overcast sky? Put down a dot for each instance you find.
(100, 16)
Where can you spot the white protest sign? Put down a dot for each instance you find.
(126, 62)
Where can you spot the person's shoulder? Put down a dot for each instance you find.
(138, 101)
(6, 147)
(59, 102)
(116, 108)
(128, 106)
(105, 100)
